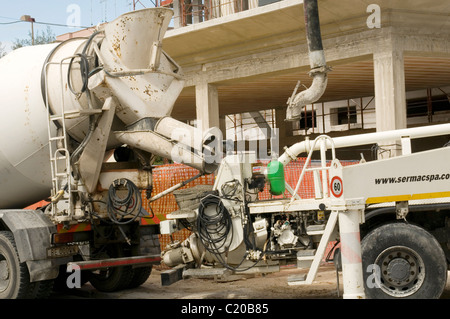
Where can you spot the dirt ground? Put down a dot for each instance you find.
(269, 286)
(255, 286)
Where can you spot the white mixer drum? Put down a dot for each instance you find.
(25, 175)
(132, 67)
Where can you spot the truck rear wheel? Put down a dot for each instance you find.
(41, 289)
(14, 276)
(140, 275)
(403, 261)
(113, 278)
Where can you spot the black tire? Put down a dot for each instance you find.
(337, 260)
(140, 275)
(41, 289)
(14, 276)
(409, 263)
(113, 278)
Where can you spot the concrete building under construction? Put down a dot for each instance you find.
(390, 64)
(242, 60)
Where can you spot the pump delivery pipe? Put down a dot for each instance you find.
(295, 150)
(319, 69)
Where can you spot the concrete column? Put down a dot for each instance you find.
(188, 12)
(253, 4)
(215, 9)
(226, 7)
(223, 127)
(177, 19)
(197, 11)
(282, 126)
(207, 106)
(390, 96)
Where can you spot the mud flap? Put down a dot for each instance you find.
(32, 233)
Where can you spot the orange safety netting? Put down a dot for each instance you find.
(292, 174)
(164, 177)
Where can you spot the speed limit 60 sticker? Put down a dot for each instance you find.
(337, 187)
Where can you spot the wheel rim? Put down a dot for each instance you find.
(4, 274)
(402, 271)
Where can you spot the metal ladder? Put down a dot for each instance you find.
(61, 171)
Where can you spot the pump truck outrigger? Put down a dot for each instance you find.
(84, 98)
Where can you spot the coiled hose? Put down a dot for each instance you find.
(214, 225)
(124, 210)
(215, 231)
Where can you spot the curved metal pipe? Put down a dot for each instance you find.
(308, 96)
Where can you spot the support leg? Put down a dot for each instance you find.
(352, 271)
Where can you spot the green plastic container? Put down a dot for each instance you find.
(275, 175)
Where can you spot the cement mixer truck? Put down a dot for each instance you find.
(66, 106)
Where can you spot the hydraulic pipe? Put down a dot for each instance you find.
(295, 150)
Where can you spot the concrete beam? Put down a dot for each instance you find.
(340, 49)
(281, 58)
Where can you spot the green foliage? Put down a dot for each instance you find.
(43, 37)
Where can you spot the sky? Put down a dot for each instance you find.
(84, 12)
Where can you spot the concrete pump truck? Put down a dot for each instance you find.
(390, 216)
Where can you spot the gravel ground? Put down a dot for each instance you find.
(255, 286)
(270, 286)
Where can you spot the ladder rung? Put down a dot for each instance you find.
(57, 138)
(55, 117)
(61, 174)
